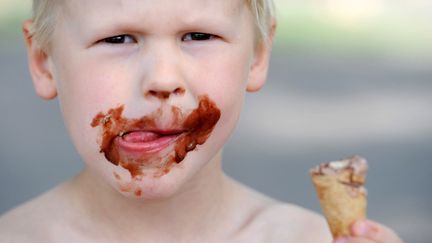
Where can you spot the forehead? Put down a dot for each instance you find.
(151, 10)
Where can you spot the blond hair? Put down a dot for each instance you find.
(264, 13)
(44, 16)
(45, 12)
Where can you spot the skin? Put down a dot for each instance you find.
(196, 201)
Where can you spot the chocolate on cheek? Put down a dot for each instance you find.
(198, 126)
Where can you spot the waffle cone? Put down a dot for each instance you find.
(343, 199)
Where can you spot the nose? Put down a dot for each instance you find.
(164, 77)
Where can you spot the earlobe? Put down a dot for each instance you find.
(259, 67)
(258, 70)
(39, 65)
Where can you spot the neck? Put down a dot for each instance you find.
(196, 208)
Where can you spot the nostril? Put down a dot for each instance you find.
(179, 91)
(152, 93)
(165, 94)
(159, 94)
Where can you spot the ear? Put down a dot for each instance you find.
(39, 65)
(259, 67)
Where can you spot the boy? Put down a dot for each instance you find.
(150, 91)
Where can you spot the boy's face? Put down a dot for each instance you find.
(151, 60)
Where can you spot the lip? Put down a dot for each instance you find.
(138, 144)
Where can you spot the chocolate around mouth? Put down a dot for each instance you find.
(195, 130)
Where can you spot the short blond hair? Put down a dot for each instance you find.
(264, 13)
(45, 13)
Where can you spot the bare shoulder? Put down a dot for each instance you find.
(287, 222)
(34, 220)
(270, 220)
(282, 222)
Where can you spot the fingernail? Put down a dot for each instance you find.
(361, 228)
(341, 240)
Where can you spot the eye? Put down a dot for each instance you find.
(119, 39)
(197, 36)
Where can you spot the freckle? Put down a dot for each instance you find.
(166, 170)
(117, 176)
(126, 187)
(138, 193)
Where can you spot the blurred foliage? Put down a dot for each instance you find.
(396, 30)
(12, 13)
(316, 26)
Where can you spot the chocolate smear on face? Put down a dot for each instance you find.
(200, 124)
(197, 127)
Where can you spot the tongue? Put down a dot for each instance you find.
(140, 137)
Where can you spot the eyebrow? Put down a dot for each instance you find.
(129, 23)
(116, 18)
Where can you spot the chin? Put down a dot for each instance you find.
(150, 186)
(157, 189)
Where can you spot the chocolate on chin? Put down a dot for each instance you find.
(341, 191)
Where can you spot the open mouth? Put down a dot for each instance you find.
(137, 144)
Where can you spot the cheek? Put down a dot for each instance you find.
(87, 87)
(84, 89)
(88, 84)
(225, 79)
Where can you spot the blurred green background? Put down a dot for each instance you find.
(380, 27)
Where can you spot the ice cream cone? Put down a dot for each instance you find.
(343, 198)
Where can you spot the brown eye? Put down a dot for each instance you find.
(197, 36)
(119, 39)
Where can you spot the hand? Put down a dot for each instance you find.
(366, 231)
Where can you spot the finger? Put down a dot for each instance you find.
(375, 232)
